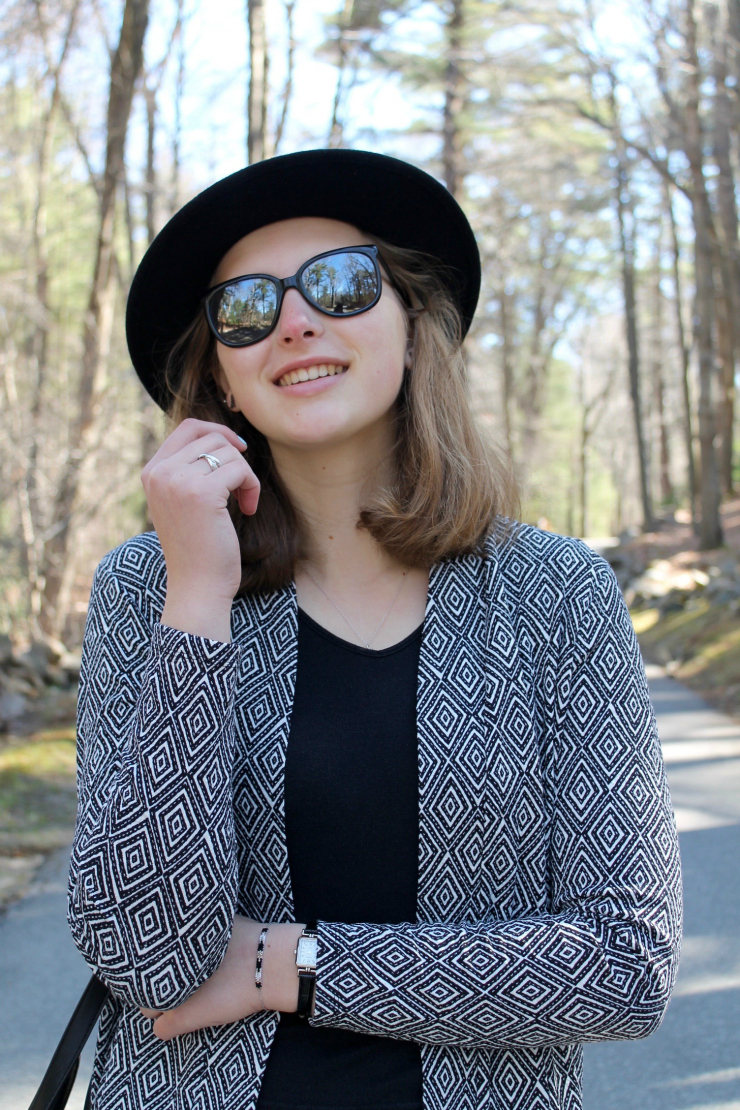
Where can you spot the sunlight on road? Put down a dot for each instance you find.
(693, 1061)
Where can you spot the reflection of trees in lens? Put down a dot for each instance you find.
(360, 283)
(344, 289)
(246, 309)
(331, 274)
(315, 282)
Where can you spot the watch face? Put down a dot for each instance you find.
(306, 951)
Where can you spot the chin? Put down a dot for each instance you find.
(326, 432)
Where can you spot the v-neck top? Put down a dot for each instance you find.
(352, 825)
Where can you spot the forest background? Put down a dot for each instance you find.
(593, 144)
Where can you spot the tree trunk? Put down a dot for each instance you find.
(150, 177)
(257, 140)
(733, 24)
(39, 342)
(685, 354)
(336, 127)
(149, 410)
(507, 359)
(454, 90)
(626, 245)
(289, 67)
(664, 453)
(710, 534)
(583, 458)
(125, 68)
(729, 251)
(179, 90)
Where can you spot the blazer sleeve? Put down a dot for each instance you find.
(601, 965)
(152, 888)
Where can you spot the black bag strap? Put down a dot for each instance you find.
(57, 1084)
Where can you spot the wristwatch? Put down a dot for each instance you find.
(305, 962)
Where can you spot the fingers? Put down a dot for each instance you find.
(173, 469)
(234, 470)
(211, 442)
(189, 432)
(172, 1024)
(167, 1023)
(209, 1006)
(242, 481)
(235, 474)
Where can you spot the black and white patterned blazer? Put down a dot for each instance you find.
(549, 901)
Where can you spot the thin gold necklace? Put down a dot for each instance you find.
(345, 618)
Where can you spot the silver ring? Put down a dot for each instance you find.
(212, 461)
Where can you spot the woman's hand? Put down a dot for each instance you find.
(230, 994)
(188, 506)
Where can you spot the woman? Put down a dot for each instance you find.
(372, 808)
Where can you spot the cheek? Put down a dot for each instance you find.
(383, 351)
(240, 369)
(385, 375)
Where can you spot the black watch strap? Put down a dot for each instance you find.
(306, 988)
(306, 979)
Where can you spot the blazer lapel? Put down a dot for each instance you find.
(266, 628)
(478, 760)
(451, 734)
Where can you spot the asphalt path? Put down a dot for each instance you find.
(691, 1063)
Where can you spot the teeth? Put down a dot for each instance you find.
(324, 370)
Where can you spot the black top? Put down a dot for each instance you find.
(352, 825)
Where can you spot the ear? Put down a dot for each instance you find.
(408, 358)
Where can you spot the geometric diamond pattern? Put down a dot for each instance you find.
(549, 904)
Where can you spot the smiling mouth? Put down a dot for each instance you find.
(310, 373)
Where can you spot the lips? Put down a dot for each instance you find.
(310, 373)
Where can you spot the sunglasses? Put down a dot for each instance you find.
(343, 282)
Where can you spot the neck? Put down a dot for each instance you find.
(329, 486)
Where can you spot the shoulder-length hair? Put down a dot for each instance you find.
(449, 486)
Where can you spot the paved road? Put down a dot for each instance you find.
(692, 1062)
(42, 976)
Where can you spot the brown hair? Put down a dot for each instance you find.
(449, 486)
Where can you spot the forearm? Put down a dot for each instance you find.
(153, 873)
(530, 982)
(230, 993)
(279, 974)
(198, 609)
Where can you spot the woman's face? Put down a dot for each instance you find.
(367, 351)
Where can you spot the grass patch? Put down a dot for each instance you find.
(38, 796)
(644, 619)
(702, 644)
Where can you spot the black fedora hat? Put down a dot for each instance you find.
(381, 196)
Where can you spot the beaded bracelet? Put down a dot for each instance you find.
(258, 964)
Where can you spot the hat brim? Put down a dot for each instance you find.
(382, 196)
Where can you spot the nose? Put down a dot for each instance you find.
(297, 319)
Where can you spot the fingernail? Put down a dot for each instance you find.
(243, 442)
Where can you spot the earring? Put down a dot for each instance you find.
(228, 400)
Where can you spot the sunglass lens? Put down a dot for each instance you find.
(244, 312)
(340, 283)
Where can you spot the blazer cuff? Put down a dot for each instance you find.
(193, 669)
(357, 973)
